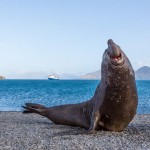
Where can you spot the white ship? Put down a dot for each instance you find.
(53, 77)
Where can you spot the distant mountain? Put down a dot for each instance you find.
(27, 75)
(143, 73)
(69, 76)
(92, 76)
(41, 75)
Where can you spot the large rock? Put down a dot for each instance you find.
(2, 77)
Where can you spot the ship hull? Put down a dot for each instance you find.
(52, 79)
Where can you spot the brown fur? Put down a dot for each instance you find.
(113, 105)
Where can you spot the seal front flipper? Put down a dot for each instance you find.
(94, 122)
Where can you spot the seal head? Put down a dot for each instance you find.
(114, 53)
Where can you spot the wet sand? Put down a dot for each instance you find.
(31, 131)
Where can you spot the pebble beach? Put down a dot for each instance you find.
(33, 132)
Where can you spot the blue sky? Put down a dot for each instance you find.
(70, 36)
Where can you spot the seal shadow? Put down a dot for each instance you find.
(132, 130)
(71, 130)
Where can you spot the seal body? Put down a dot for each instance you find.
(113, 105)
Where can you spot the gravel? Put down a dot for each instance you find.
(33, 132)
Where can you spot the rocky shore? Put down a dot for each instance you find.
(23, 132)
(2, 77)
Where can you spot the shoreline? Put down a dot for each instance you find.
(20, 111)
(32, 131)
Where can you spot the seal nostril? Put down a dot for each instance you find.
(113, 49)
(115, 52)
(110, 41)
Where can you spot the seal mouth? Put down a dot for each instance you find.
(115, 53)
(117, 60)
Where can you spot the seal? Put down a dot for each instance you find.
(113, 105)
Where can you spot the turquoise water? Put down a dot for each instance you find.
(14, 93)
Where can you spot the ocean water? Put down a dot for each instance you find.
(14, 93)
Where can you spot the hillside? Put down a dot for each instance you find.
(93, 75)
(142, 73)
